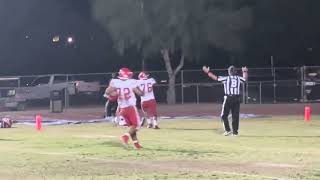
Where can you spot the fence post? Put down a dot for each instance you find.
(66, 98)
(19, 82)
(197, 93)
(182, 86)
(66, 94)
(260, 93)
(302, 69)
(247, 92)
(243, 94)
(274, 86)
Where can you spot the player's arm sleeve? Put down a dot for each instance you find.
(136, 89)
(111, 87)
(112, 83)
(222, 78)
(138, 84)
(135, 84)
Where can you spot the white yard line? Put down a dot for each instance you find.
(249, 175)
(264, 164)
(94, 136)
(55, 153)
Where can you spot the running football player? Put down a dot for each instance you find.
(125, 88)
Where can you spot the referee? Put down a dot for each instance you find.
(231, 101)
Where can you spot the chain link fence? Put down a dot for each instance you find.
(265, 85)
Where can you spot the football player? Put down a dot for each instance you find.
(125, 89)
(148, 102)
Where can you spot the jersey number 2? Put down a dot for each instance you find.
(124, 93)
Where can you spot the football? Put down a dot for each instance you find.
(113, 93)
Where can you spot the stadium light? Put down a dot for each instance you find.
(70, 40)
(56, 39)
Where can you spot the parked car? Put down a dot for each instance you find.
(17, 97)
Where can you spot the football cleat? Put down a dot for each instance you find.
(137, 146)
(149, 126)
(156, 127)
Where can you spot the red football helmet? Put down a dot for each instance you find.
(125, 73)
(143, 76)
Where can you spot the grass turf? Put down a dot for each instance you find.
(271, 148)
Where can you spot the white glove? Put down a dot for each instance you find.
(206, 69)
(244, 69)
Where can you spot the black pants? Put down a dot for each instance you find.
(111, 108)
(231, 103)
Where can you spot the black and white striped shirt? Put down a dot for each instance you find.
(231, 84)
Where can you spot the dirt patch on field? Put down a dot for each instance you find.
(274, 171)
(97, 112)
(267, 170)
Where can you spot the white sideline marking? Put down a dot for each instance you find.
(94, 136)
(277, 165)
(56, 153)
(250, 175)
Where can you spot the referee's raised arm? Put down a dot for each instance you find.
(206, 69)
(245, 73)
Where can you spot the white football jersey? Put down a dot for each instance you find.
(147, 87)
(126, 96)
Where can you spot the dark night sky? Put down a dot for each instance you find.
(287, 29)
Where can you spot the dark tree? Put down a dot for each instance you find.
(171, 27)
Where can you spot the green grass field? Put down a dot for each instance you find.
(274, 148)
